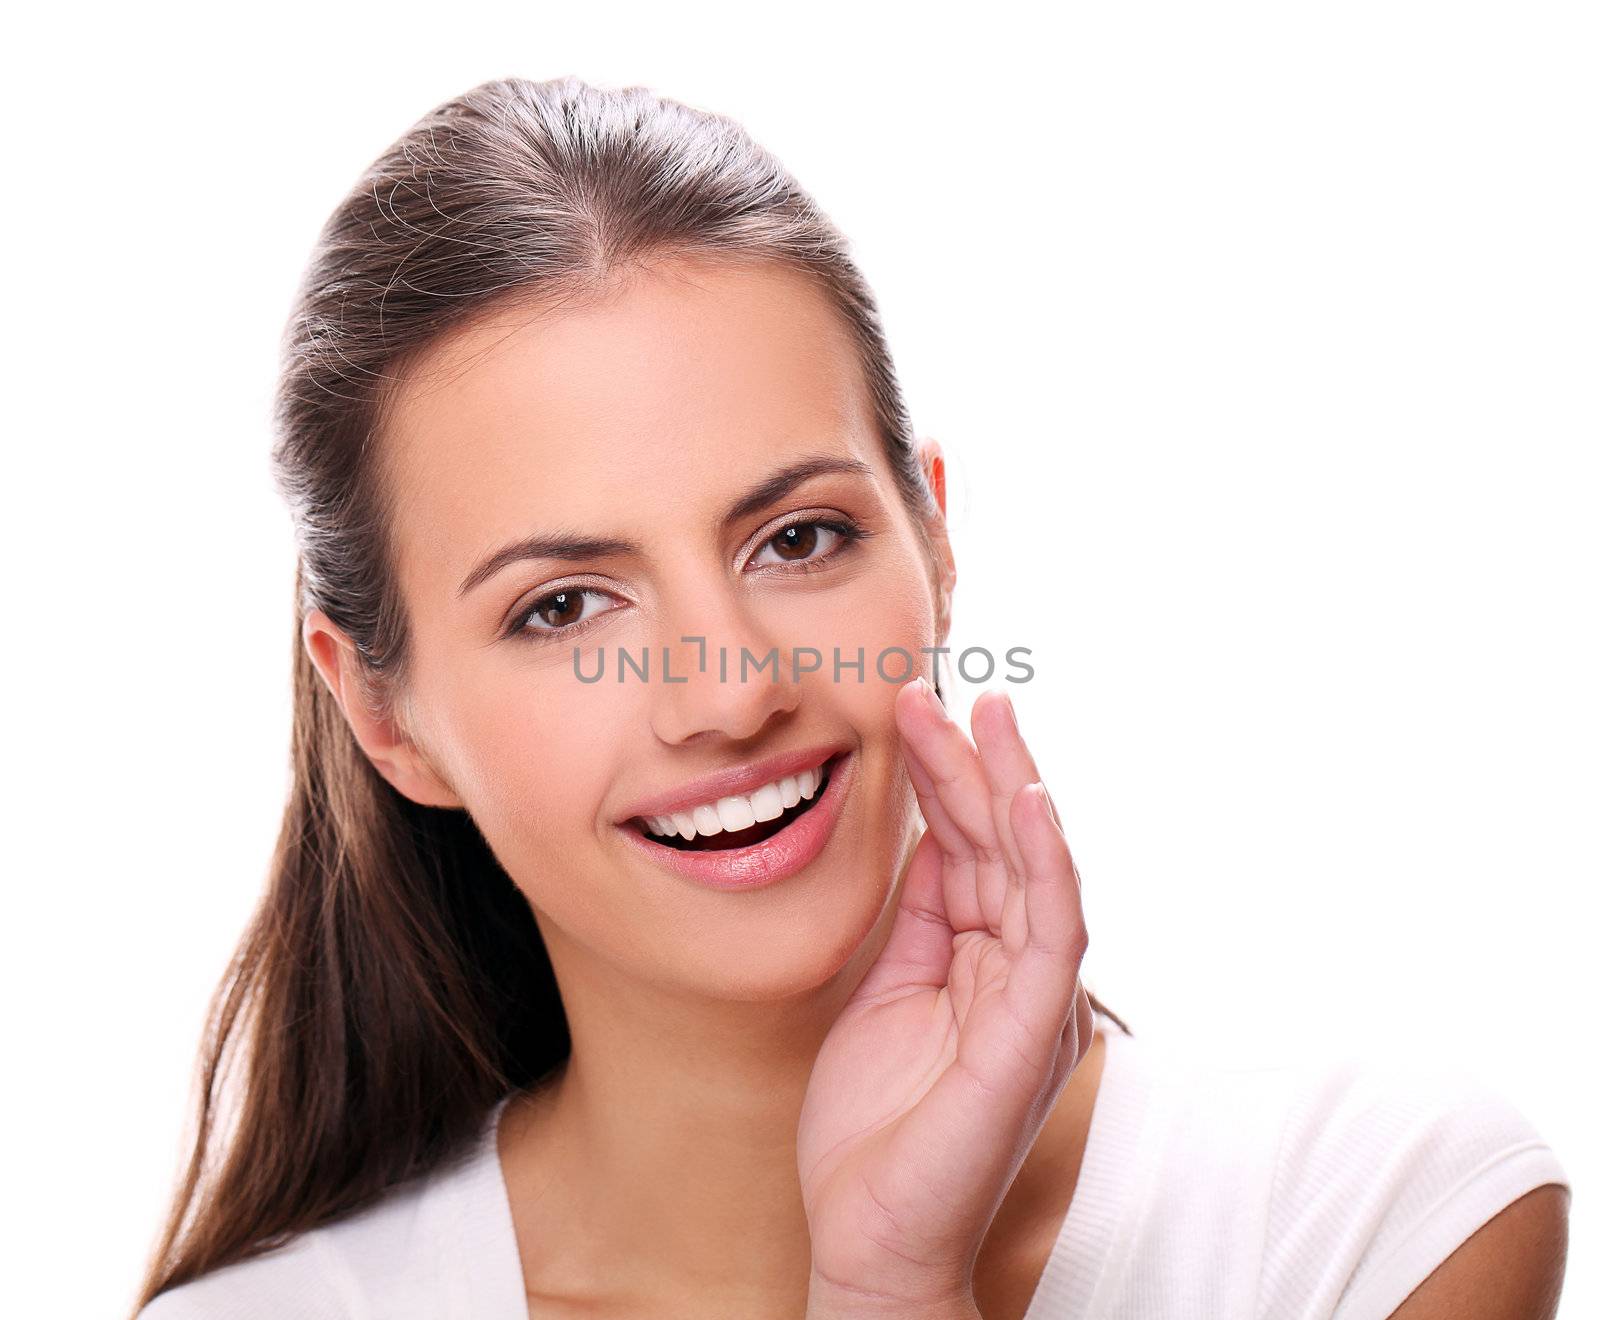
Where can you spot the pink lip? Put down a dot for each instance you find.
(795, 846)
(731, 783)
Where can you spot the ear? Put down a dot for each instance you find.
(391, 751)
(931, 456)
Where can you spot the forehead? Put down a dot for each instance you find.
(684, 382)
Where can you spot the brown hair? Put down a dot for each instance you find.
(392, 984)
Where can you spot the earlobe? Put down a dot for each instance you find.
(393, 754)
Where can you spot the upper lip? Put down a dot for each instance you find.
(733, 781)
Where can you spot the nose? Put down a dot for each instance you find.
(726, 676)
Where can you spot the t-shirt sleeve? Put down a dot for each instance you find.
(1381, 1172)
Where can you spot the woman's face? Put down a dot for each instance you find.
(652, 424)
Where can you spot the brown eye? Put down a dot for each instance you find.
(796, 542)
(799, 543)
(563, 611)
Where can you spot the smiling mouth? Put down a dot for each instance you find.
(727, 840)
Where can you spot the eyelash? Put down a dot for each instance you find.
(849, 534)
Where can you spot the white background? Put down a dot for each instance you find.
(1263, 341)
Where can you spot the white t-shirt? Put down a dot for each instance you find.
(1296, 1191)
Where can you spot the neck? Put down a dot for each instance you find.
(656, 1170)
(664, 1151)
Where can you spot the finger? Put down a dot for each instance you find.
(1001, 745)
(1008, 764)
(944, 829)
(1009, 768)
(963, 903)
(1044, 977)
(952, 764)
(918, 951)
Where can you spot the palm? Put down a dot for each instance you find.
(935, 1078)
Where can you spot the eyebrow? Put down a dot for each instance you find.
(567, 545)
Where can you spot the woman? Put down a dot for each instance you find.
(640, 941)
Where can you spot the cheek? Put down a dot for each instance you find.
(533, 759)
(883, 619)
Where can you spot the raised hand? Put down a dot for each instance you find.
(939, 1072)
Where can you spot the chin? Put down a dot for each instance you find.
(801, 938)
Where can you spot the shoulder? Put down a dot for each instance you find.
(1323, 1188)
(1382, 1168)
(290, 1281)
(1510, 1269)
(386, 1259)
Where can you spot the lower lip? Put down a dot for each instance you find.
(795, 846)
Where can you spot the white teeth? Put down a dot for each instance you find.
(766, 803)
(736, 813)
(740, 811)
